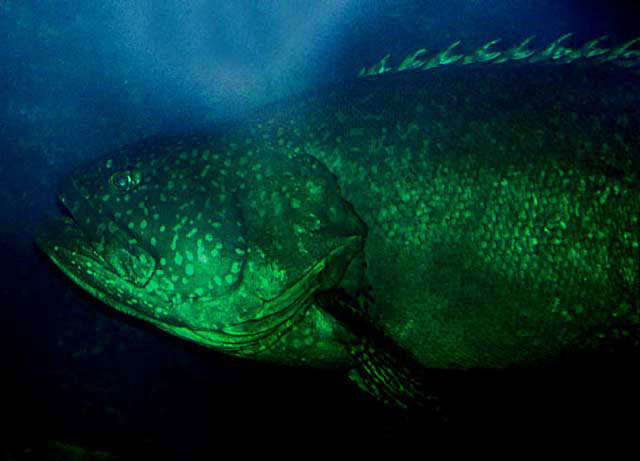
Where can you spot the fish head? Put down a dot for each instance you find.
(224, 250)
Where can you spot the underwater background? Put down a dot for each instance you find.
(79, 79)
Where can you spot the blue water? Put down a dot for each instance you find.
(78, 79)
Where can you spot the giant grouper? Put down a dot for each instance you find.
(458, 211)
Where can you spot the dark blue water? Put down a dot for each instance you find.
(78, 79)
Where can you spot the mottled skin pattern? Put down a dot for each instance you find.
(221, 249)
(501, 208)
(502, 205)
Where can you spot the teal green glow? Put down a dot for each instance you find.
(494, 212)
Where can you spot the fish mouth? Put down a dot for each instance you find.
(65, 243)
(91, 248)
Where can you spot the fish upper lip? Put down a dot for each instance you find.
(131, 261)
(65, 243)
(64, 234)
(63, 231)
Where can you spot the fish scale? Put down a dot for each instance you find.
(558, 245)
(489, 211)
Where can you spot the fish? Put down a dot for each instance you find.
(468, 216)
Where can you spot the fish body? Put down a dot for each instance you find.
(491, 213)
(502, 204)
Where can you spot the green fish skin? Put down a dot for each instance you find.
(491, 211)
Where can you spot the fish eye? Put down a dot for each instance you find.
(124, 181)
